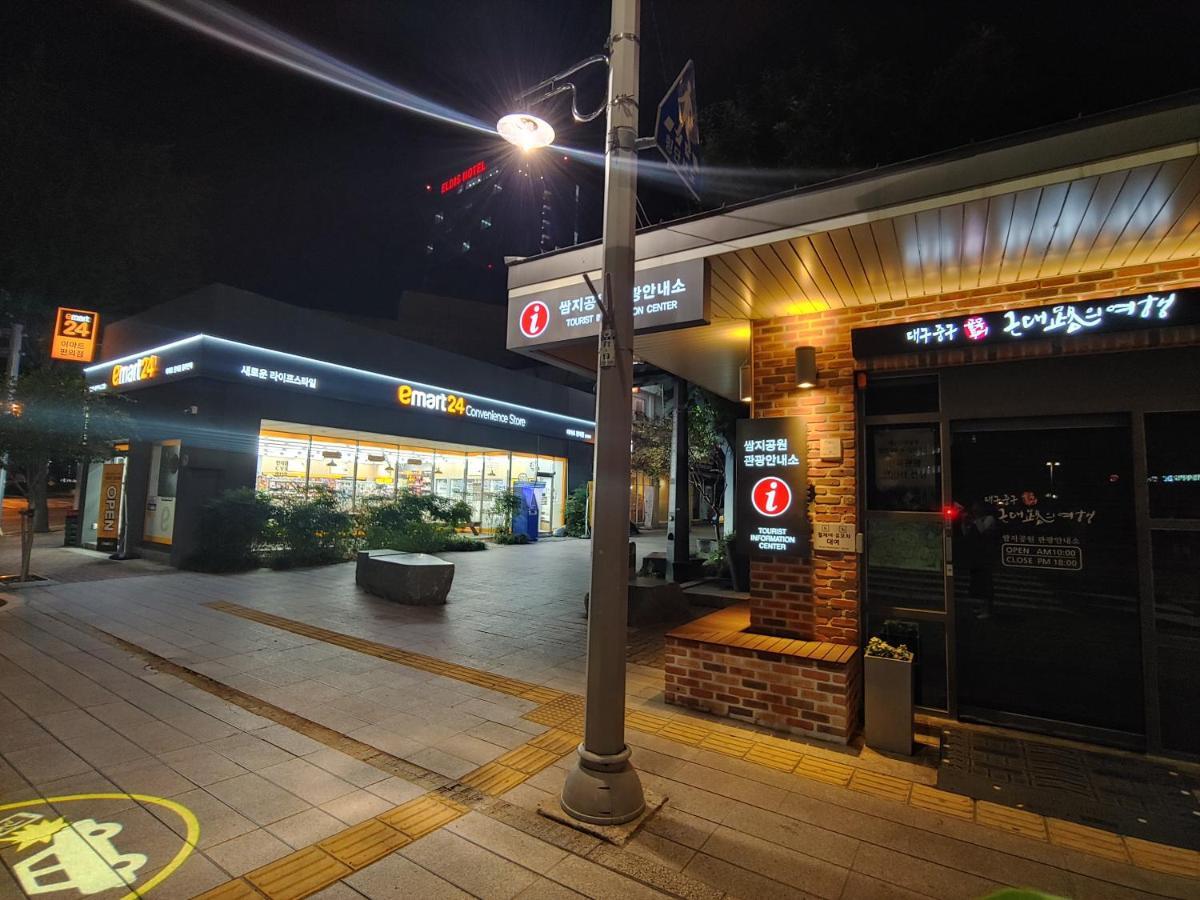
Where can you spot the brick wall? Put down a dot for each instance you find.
(800, 696)
(819, 600)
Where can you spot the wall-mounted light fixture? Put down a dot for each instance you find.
(745, 383)
(806, 367)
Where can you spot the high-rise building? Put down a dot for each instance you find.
(478, 213)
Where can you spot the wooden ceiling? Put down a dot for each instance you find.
(1147, 213)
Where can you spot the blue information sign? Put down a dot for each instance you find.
(677, 129)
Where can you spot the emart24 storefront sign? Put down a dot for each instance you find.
(772, 472)
(664, 297)
(213, 357)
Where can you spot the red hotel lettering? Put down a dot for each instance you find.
(465, 175)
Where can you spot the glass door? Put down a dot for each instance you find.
(1044, 575)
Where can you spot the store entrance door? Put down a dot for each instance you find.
(1045, 577)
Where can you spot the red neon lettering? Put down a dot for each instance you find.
(465, 175)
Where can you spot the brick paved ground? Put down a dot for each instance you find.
(330, 744)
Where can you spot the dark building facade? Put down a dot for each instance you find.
(230, 389)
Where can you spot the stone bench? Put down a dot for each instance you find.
(417, 579)
(651, 602)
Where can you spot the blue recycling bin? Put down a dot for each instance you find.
(526, 520)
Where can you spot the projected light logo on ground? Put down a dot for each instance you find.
(95, 845)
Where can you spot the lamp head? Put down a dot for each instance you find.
(525, 131)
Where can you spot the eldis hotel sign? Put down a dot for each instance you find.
(772, 486)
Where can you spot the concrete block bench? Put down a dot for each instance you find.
(417, 579)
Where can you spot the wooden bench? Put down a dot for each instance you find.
(417, 579)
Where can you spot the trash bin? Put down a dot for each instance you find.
(71, 529)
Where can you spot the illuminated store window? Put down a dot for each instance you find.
(476, 466)
(331, 464)
(415, 470)
(375, 472)
(282, 464)
(495, 481)
(450, 472)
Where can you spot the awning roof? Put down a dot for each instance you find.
(1117, 190)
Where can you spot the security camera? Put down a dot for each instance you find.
(191, 410)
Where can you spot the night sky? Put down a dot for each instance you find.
(314, 194)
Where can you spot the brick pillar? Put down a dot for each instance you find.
(813, 599)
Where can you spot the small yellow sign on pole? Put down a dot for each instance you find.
(75, 332)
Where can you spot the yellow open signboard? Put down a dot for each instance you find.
(75, 333)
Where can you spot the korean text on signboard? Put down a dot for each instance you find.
(772, 485)
(74, 336)
(1059, 320)
(671, 296)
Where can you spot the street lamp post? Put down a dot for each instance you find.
(603, 788)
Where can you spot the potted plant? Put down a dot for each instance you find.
(888, 677)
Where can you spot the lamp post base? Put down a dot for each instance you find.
(603, 790)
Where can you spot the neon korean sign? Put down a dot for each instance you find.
(1136, 312)
(464, 176)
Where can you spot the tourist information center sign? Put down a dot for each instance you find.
(664, 297)
(1014, 326)
(772, 486)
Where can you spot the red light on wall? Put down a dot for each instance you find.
(951, 512)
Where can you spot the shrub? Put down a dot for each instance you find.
(314, 530)
(508, 537)
(462, 543)
(413, 523)
(232, 527)
(879, 647)
(575, 515)
(506, 505)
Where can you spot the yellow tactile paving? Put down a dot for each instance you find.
(1087, 840)
(685, 732)
(1014, 821)
(528, 759)
(363, 844)
(542, 695)
(424, 814)
(556, 741)
(494, 779)
(729, 744)
(490, 680)
(1161, 858)
(824, 770)
(231, 890)
(925, 797)
(564, 714)
(644, 721)
(298, 874)
(773, 757)
(877, 785)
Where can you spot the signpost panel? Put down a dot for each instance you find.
(74, 337)
(772, 486)
(677, 129)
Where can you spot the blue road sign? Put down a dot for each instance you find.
(677, 129)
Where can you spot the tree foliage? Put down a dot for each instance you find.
(55, 417)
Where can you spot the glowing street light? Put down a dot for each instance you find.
(525, 131)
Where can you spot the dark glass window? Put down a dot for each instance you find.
(927, 641)
(1173, 464)
(904, 468)
(1178, 675)
(898, 396)
(904, 562)
(1177, 582)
